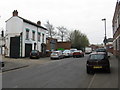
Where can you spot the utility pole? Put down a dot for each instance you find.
(105, 39)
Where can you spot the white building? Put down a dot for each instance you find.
(22, 36)
(2, 45)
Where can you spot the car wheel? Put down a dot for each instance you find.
(88, 70)
(3, 64)
(83, 55)
(108, 70)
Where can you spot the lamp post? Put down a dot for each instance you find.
(105, 39)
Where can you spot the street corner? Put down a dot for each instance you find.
(10, 65)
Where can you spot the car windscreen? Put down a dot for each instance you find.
(97, 57)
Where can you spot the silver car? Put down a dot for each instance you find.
(67, 53)
(56, 55)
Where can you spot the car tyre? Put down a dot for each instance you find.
(88, 70)
(108, 70)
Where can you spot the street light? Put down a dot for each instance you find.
(105, 39)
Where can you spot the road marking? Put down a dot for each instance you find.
(91, 81)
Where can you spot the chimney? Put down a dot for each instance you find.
(15, 13)
(39, 23)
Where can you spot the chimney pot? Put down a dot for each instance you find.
(15, 13)
(39, 23)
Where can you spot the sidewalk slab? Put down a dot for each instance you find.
(13, 64)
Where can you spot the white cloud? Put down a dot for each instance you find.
(84, 15)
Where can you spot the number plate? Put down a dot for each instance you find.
(97, 67)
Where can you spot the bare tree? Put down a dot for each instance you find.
(62, 32)
(50, 28)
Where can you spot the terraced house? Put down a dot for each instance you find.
(22, 36)
(116, 30)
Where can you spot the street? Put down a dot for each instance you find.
(63, 73)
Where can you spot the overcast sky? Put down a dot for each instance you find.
(83, 15)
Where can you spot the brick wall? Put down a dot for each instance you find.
(65, 45)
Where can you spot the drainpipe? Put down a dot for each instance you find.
(37, 38)
(21, 42)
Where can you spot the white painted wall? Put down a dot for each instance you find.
(13, 28)
(15, 25)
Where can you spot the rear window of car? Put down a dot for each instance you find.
(97, 56)
(101, 50)
(54, 53)
(66, 51)
(34, 51)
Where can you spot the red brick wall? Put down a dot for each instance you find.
(65, 45)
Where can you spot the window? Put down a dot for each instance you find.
(43, 38)
(27, 34)
(95, 56)
(33, 35)
(39, 36)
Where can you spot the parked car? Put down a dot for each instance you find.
(67, 53)
(78, 53)
(35, 54)
(102, 50)
(56, 55)
(73, 49)
(97, 61)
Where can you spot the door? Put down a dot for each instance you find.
(28, 49)
(14, 47)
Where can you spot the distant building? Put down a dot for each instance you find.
(53, 44)
(22, 36)
(64, 45)
(116, 30)
(109, 45)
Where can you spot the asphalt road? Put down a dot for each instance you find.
(64, 73)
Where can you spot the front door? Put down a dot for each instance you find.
(28, 49)
(15, 47)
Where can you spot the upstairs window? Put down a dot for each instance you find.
(27, 34)
(33, 35)
(39, 36)
(43, 38)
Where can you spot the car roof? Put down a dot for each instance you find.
(78, 51)
(56, 51)
(97, 53)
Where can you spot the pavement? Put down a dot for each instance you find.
(13, 64)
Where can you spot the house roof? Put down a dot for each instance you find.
(30, 22)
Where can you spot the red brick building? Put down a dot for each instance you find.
(109, 45)
(116, 30)
(64, 45)
(53, 44)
